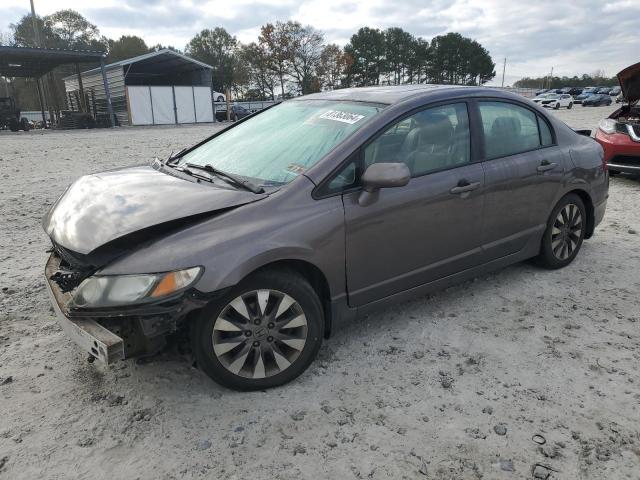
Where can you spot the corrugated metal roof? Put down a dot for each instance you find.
(35, 62)
(148, 56)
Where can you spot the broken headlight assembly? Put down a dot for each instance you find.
(101, 291)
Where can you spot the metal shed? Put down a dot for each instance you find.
(156, 88)
(36, 63)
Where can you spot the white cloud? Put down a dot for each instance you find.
(574, 37)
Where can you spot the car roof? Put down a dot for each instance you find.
(389, 94)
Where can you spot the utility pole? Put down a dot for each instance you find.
(551, 77)
(36, 30)
(504, 67)
(42, 92)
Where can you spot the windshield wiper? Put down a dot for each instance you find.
(229, 177)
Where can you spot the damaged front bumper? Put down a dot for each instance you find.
(113, 334)
(88, 334)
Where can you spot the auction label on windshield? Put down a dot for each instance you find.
(339, 116)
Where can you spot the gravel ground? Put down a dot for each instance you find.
(452, 386)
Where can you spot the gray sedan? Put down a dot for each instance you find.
(262, 238)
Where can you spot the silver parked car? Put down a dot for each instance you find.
(263, 237)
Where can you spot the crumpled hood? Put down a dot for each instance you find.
(97, 209)
(629, 80)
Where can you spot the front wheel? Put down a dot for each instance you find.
(556, 106)
(263, 333)
(564, 234)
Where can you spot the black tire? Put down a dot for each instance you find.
(14, 125)
(283, 280)
(570, 106)
(556, 106)
(549, 256)
(613, 173)
(24, 124)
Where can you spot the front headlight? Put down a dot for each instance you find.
(607, 125)
(115, 290)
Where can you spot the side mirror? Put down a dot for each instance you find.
(382, 175)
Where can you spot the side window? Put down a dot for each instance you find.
(508, 129)
(545, 132)
(432, 139)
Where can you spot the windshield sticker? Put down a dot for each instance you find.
(344, 117)
(295, 168)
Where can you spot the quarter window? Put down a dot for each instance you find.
(545, 132)
(509, 129)
(432, 139)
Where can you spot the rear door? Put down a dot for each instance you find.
(523, 172)
(428, 229)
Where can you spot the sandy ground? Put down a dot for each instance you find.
(452, 386)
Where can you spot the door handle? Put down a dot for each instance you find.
(464, 186)
(546, 165)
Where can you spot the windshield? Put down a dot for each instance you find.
(553, 95)
(279, 144)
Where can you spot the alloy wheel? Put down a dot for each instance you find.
(566, 232)
(260, 333)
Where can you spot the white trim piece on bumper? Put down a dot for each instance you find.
(618, 166)
(92, 337)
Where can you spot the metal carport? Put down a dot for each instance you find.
(36, 62)
(135, 82)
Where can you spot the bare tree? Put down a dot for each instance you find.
(305, 50)
(275, 39)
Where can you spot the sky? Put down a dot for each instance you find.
(572, 37)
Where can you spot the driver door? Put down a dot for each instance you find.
(428, 229)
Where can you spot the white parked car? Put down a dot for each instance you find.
(219, 97)
(554, 100)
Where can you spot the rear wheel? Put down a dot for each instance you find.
(564, 234)
(570, 106)
(263, 333)
(556, 106)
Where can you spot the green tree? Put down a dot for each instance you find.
(419, 61)
(127, 46)
(367, 49)
(75, 31)
(398, 53)
(459, 60)
(219, 49)
(23, 35)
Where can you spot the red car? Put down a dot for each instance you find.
(619, 134)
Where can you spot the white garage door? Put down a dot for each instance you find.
(204, 107)
(162, 102)
(140, 105)
(184, 104)
(160, 105)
